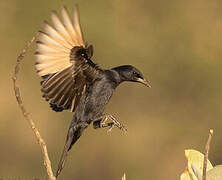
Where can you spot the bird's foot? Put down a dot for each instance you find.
(114, 123)
(103, 123)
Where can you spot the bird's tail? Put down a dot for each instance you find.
(74, 133)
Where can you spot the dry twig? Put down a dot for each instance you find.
(207, 148)
(124, 177)
(40, 140)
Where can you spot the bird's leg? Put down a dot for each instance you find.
(102, 123)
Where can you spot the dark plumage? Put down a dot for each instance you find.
(72, 81)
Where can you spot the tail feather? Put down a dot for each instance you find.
(63, 157)
(74, 134)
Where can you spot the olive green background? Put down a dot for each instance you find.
(176, 44)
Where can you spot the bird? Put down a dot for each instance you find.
(72, 81)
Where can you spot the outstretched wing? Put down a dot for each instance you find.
(63, 61)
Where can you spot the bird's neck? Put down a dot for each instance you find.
(117, 75)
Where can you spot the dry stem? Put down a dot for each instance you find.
(40, 140)
(207, 148)
(124, 177)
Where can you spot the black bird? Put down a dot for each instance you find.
(72, 81)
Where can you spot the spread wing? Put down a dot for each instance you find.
(63, 61)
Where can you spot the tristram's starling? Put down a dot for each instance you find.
(72, 81)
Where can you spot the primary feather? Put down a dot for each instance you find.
(63, 60)
(57, 41)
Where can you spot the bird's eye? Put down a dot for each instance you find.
(84, 55)
(136, 74)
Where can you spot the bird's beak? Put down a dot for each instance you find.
(144, 81)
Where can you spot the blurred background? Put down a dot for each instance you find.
(176, 44)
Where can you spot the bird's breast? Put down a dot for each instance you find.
(98, 96)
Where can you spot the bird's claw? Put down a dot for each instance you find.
(114, 123)
(102, 123)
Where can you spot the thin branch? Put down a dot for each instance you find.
(124, 177)
(40, 140)
(207, 148)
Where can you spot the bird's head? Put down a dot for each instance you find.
(130, 73)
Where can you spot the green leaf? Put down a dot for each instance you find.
(187, 176)
(194, 167)
(215, 173)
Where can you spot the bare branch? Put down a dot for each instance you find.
(40, 140)
(207, 148)
(124, 177)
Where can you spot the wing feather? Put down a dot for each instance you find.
(64, 70)
(60, 28)
(65, 95)
(56, 79)
(52, 69)
(69, 26)
(70, 97)
(58, 90)
(47, 39)
(47, 47)
(77, 26)
(56, 35)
